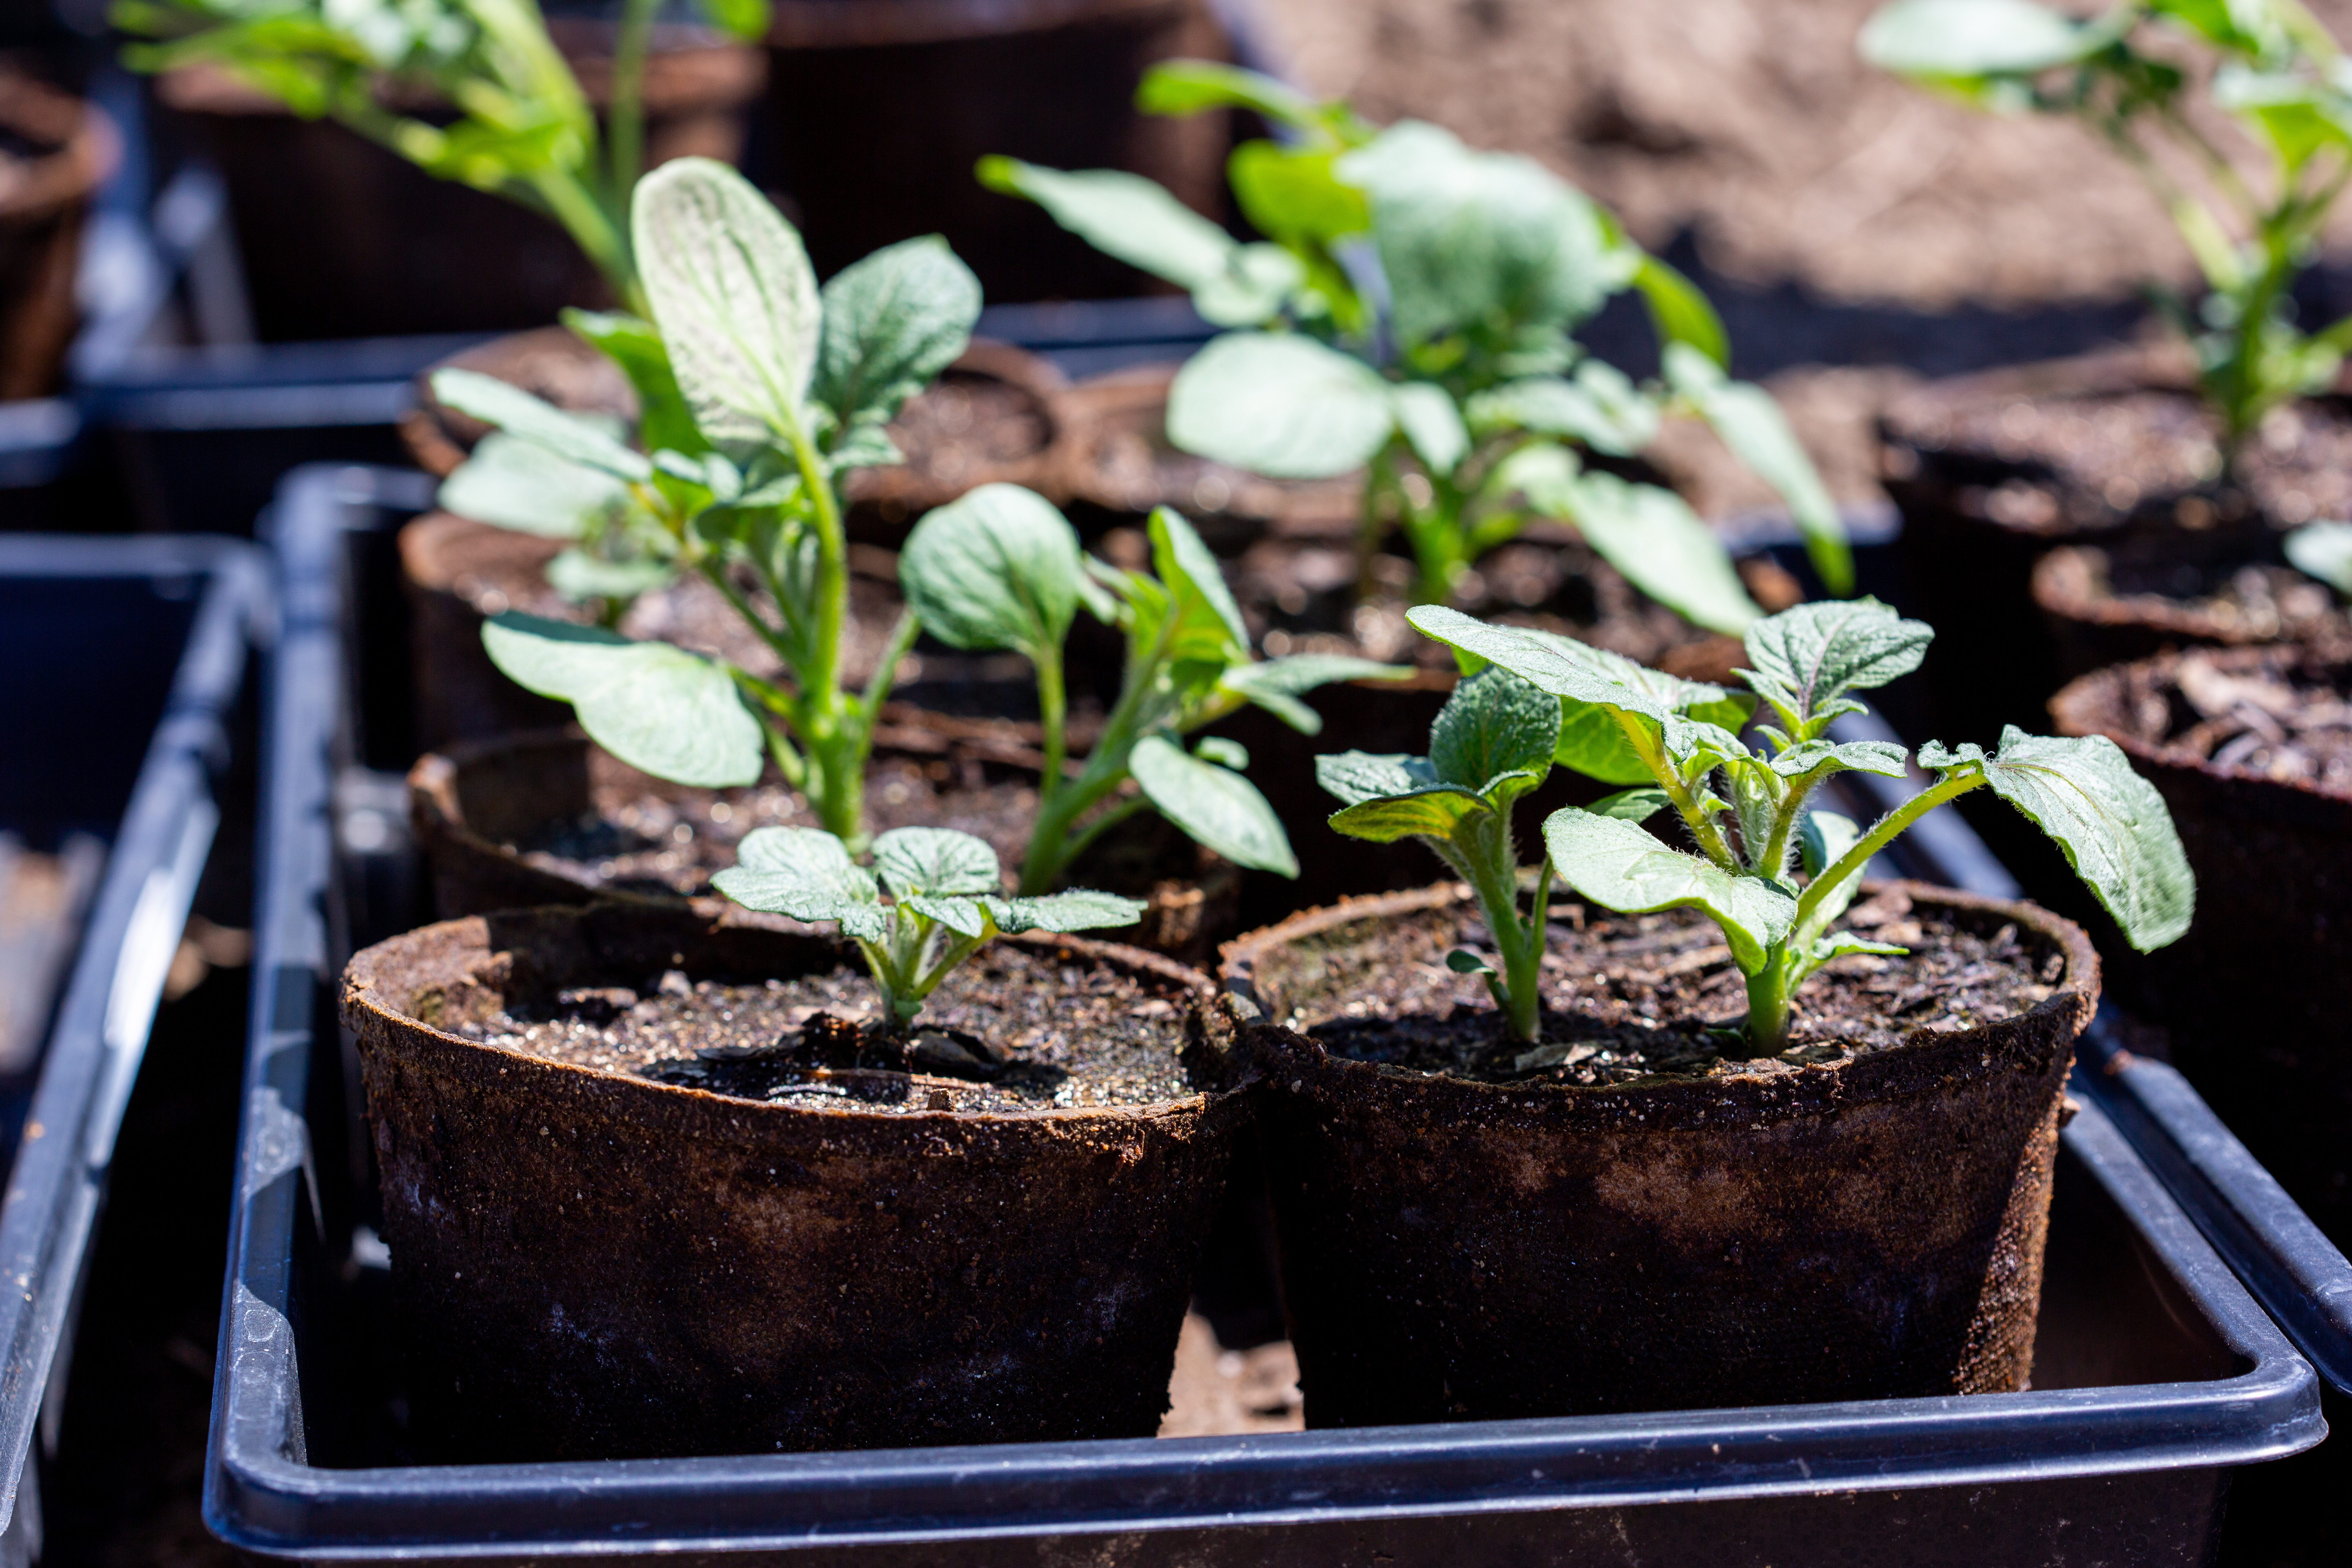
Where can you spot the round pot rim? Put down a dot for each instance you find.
(73, 170)
(2069, 705)
(2053, 595)
(357, 988)
(2076, 992)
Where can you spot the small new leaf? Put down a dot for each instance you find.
(1279, 405)
(806, 873)
(914, 862)
(998, 569)
(1214, 805)
(1077, 909)
(1804, 660)
(1493, 725)
(671, 713)
(892, 323)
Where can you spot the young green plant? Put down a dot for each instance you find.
(1410, 313)
(1746, 810)
(759, 393)
(1002, 569)
(945, 902)
(2278, 75)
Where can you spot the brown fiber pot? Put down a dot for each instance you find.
(589, 1265)
(2257, 999)
(1454, 1250)
(65, 149)
(469, 806)
(2110, 606)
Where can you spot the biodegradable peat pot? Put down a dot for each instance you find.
(1827, 1225)
(592, 1263)
(62, 149)
(1991, 471)
(2251, 750)
(2117, 606)
(997, 413)
(878, 110)
(551, 818)
(342, 238)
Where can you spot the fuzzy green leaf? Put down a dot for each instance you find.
(1882, 757)
(671, 713)
(509, 482)
(1189, 87)
(1279, 405)
(1635, 806)
(1826, 836)
(1681, 315)
(1214, 805)
(2321, 550)
(1494, 724)
(1209, 625)
(807, 874)
(1122, 214)
(1294, 193)
(1355, 777)
(1431, 424)
(914, 862)
(508, 406)
(2111, 823)
(580, 576)
(1587, 409)
(664, 420)
(998, 569)
(1956, 41)
(1804, 660)
(1619, 866)
(733, 295)
(1752, 426)
(1434, 812)
(1275, 684)
(1077, 909)
(1651, 536)
(892, 323)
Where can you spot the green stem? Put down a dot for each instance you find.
(1494, 876)
(1885, 832)
(624, 136)
(885, 673)
(593, 229)
(1768, 1004)
(1703, 830)
(1060, 802)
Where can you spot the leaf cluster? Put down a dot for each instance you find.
(1002, 568)
(945, 901)
(1412, 308)
(2277, 71)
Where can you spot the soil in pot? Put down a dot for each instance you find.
(2115, 450)
(2251, 750)
(550, 818)
(644, 1197)
(1621, 1218)
(2107, 606)
(342, 238)
(997, 413)
(54, 152)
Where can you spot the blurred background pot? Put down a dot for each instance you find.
(55, 152)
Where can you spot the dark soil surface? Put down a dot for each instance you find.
(1635, 998)
(672, 842)
(1013, 1029)
(2285, 722)
(964, 422)
(2254, 602)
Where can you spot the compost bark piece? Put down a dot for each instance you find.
(1839, 1222)
(591, 1264)
(550, 817)
(2251, 750)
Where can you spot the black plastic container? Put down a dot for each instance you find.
(2159, 1375)
(121, 662)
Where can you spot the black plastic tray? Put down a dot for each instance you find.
(2160, 1375)
(121, 660)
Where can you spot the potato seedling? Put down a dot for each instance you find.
(759, 393)
(1745, 809)
(2280, 76)
(1002, 569)
(945, 901)
(523, 128)
(1410, 313)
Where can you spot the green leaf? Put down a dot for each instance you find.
(998, 569)
(1493, 725)
(1122, 214)
(2321, 550)
(1355, 777)
(1209, 625)
(1655, 539)
(1634, 805)
(1224, 751)
(1188, 86)
(807, 874)
(1882, 757)
(509, 482)
(1279, 405)
(1752, 426)
(1275, 684)
(532, 419)
(1462, 961)
(1804, 660)
(1619, 866)
(733, 295)
(914, 862)
(664, 420)
(1294, 194)
(578, 576)
(1433, 812)
(2110, 822)
(1600, 408)
(1214, 805)
(892, 323)
(1075, 909)
(746, 20)
(660, 709)
(1958, 41)
(1593, 744)
(1431, 424)
(1839, 944)
(1681, 314)
(1820, 842)
(1486, 242)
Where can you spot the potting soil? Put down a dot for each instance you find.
(2242, 603)
(2282, 722)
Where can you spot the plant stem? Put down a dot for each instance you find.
(625, 135)
(1494, 876)
(593, 229)
(1703, 830)
(1768, 1004)
(1882, 833)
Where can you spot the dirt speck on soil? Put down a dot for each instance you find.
(1647, 996)
(1014, 1029)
